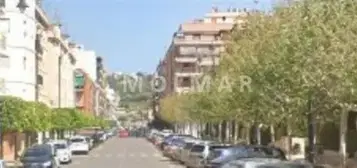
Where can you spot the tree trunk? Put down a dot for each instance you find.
(259, 134)
(220, 131)
(228, 131)
(272, 133)
(343, 135)
(289, 132)
(247, 137)
(236, 132)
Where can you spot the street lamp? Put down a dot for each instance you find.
(22, 5)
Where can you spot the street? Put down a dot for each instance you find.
(123, 153)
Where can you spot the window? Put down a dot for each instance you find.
(197, 148)
(4, 25)
(4, 61)
(39, 80)
(3, 41)
(185, 65)
(196, 36)
(24, 62)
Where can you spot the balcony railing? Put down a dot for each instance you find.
(180, 41)
(188, 58)
(187, 69)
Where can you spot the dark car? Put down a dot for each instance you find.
(39, 156)
(168, 140)
(219, 157)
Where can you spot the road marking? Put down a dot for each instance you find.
(144, 155)
(120, 155)
(131, 155)
(108, 155)
(80, 156)
(157, 155)
(76, 163)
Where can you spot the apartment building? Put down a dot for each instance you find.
(104, 106)
(55, 63)
(195, 49)
(85, 92)
(17, 48)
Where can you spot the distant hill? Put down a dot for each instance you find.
(134, 89)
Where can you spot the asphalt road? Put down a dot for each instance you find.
(123, 153)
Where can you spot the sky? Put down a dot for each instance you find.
(132, 35)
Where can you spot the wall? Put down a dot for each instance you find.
(20, 31)
(86, 96)
(86, 60)
(67, 82)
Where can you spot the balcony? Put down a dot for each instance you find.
(209, 61)
(186, 71)
(79, 81)
(183, 89)
(182, 41)
(39, 44)
(186, 59)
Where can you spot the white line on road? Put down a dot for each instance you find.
(108, 155)
(80, 156)
(131, 155)
(76, 163)
(157, 155)
(120, 155)
(144, 155)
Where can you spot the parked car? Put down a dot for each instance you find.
(63, 152)
(250, 162)
(287, 164)
(168, 139)
(39, 156)
(123, 134)
(185, 151)
(170, 149)
(220, 157)
(79, 144)
(199, 153)
(2, 164)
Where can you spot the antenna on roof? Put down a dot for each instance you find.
(56, 18)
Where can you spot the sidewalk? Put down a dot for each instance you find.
(13, 164)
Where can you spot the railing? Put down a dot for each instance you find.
(187, 70)
(180, 41)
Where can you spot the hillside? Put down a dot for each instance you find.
(134, 89)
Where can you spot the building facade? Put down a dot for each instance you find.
(195, 49)
(85, 92)
(17, 49)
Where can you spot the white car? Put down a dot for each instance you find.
(79, 144)
(63, 152)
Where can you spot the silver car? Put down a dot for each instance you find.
(199, 153)
(250, 163)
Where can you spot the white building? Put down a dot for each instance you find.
(87, 61)
(17, 49)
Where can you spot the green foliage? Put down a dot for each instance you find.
(19, 115)
(136, 97)
(299, 54)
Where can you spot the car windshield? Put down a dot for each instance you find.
(35, 153)
(74, 140)
(60, 146)
(197, 148)
(188, 145)
(218, 147)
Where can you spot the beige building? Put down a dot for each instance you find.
(55, 63)
(195, 48)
